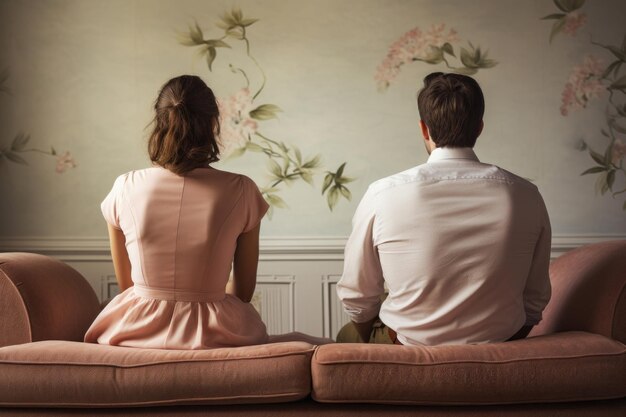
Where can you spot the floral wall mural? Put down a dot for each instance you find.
(14, 152)
(242, 117)
(594, 79)
(318, 100)
(433, 47)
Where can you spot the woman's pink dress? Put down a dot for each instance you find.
(181, 234)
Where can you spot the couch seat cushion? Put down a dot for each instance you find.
(73, 374)
(561, 367)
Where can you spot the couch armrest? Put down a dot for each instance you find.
(43, 299)
(588, 292)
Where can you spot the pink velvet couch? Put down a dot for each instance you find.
(573, 364)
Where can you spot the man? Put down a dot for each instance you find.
(462, 246)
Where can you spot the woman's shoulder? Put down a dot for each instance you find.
(239, 179)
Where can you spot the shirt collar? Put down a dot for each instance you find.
(440, 154)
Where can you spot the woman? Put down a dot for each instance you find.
(175, 230)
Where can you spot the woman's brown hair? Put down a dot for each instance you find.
(186, 126)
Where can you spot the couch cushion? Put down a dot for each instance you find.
(562, 367)
(71, 374)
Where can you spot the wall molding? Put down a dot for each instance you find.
(298, 248)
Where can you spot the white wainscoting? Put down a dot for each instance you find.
(296, 279)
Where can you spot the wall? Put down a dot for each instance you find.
(330, 78)
(83, 75)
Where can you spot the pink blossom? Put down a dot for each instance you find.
(64, 162)
(413, 45)
(583, 84)
(236, 124)
(618, 151)
(573, 21)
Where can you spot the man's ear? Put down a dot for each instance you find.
(425, 131)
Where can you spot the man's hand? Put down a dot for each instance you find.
(365, 329)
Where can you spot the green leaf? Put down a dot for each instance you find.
(345, 192)
(19, 142)
(339, 172)
(597, 157)
(433, 56)
(343, 180)
(618, 127)
(553, 16)
(195, 34)
(594, 170)
(53, 151)
(601, 185)
(466, 71)
(448, 49)
(217, 43)
(265, 112)
(306, 176)
(4, 76)
(210, 57)
(556, 28)
(275, 200)
(610, 179)
(275, 169)
(251, 146)
(610, 68)
(467, 59)
(298, 154)
(248, 22)
(312, 163)
(328, 180)
(618, 84)
(619, 54)
(237, 14)
(12, 156)
(569, 5)
(332, 198)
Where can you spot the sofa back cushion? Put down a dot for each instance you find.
(72, 374)
(588, 292)
(557, 368)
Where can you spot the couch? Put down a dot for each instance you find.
(573, 363)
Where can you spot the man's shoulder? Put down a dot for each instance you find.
(428, 173)
(409, 176)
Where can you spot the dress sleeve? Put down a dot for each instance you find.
(255, 205)
(111, 204)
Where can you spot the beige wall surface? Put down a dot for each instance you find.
(339, 79)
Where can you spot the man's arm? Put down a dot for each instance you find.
(362, 282)
(538, 290)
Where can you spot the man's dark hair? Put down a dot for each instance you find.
(452, 106)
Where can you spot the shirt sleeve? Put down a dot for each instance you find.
(362, 283)
(110, 206)
(538, 289)
(255, 205)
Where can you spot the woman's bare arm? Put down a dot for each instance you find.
(245, 265)
(121, 262)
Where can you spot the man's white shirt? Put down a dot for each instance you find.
(463, 248)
